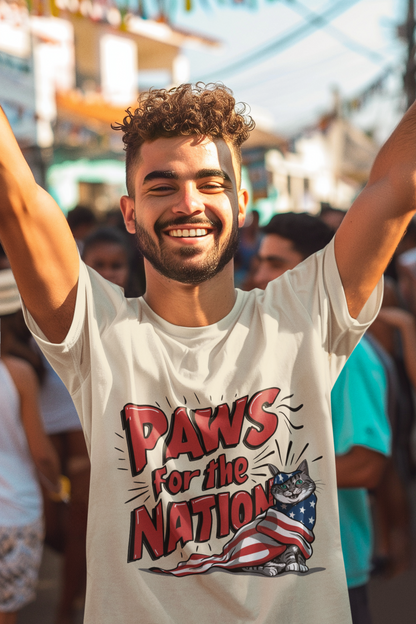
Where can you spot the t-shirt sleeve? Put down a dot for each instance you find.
(317, 287)
(98, 304)
(359, 403)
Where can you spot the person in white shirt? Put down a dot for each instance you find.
(204, 407)
(25, 456)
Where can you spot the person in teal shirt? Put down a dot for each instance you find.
(359, 407)
(362, 440)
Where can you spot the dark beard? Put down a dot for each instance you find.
(170, 265)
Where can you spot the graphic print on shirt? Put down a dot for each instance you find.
(269, 529)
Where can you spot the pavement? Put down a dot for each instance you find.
(42, 610)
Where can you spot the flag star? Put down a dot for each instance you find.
(284, 506)
(292, 515)
(312, 503)
(280, 477)
(290, 475)
(311, 520)
(302, 510)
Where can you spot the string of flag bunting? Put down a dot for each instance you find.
(117, 12)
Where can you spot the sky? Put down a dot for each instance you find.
(290, 87)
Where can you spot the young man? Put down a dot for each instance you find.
(359, 409)
(220, 392)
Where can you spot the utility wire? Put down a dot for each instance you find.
(291, 75)
(340, 36)
(282, 42)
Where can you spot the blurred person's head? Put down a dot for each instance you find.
(114, 219)
(105, 250)
(82, 221)
(333, 217)
(12, 325)
(289, 238)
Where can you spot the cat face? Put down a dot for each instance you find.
(292, 488)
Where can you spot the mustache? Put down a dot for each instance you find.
(161, 225)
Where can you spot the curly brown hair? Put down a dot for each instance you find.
(201, 109)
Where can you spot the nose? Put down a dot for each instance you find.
(189, 202)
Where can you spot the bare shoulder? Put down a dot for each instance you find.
(22, 373)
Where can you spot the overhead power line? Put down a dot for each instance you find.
(332, 30)
(316, 22)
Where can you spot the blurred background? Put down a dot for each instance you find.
(326, 81)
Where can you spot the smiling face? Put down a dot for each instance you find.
(187, 207)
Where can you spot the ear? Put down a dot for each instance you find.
(304, 467)
(127, 208)
(242, 206)
(275, 471)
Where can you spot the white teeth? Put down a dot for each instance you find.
(188, 233)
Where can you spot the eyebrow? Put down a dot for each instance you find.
(156, 175)
(172, 175)
(213, 173)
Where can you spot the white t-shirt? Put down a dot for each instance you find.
(179, 497)
(57, 408)
(20, 495)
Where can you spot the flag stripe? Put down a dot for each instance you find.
(259, 541)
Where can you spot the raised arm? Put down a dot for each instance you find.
(37, 241)
(376, 221)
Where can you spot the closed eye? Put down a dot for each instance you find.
(213, 186)
(162, 188)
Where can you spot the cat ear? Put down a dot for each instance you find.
(304, 467)
(275, 471)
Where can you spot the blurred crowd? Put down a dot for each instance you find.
(373, 407)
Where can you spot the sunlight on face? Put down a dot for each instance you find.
(187, 209)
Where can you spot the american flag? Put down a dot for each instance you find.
(259, 541)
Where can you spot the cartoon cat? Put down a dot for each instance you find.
(277, 540)
(294, 498)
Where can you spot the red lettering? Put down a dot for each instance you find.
(182, 438)
(223, 522)
(209, 472)
(221, 426)
(179, 525)
(241, 509)
(146, 530)
(157, 480)
(240, 467)
(174, 482)
(144, 426)
(203, 506)
(262, 501)
(266, 421)
(225, 471)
